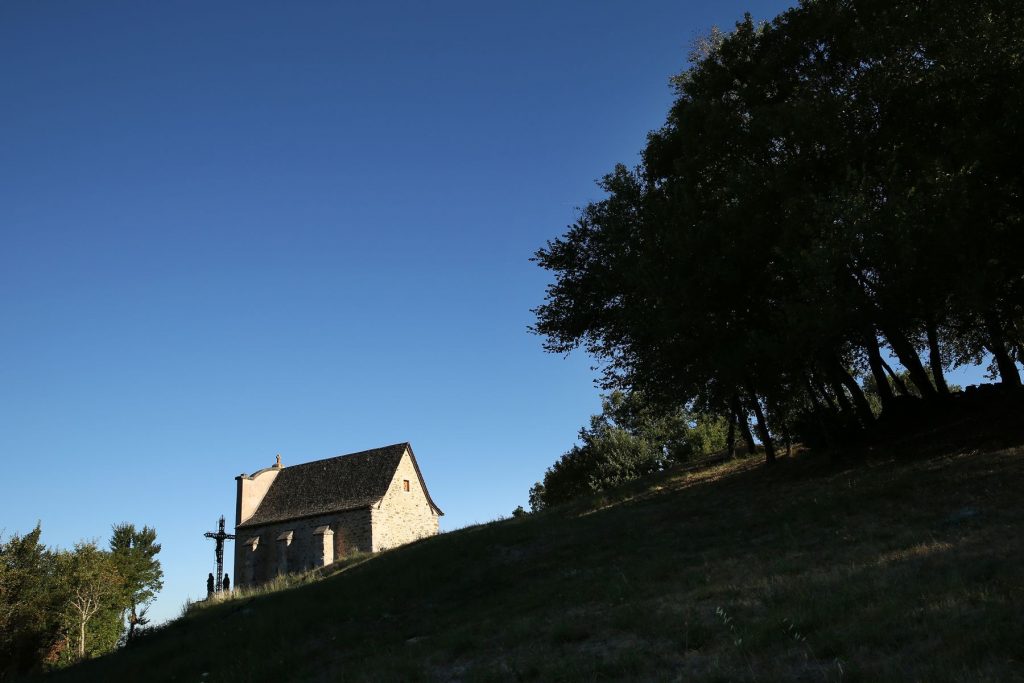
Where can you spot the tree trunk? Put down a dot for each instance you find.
(762, 428)
(819, 410)
(730, 441)
(837, 391)
(904, 350)
(818, 393)
(997, 345)
(845, 380)
(817, 405)
(901, 386)
(875, 361)
(844, 401)
(748, 438)
(81, 639)
(133, 620)
(935, 358)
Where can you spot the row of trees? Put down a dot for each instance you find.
(833, 190)
(61, 606)
(630, 438)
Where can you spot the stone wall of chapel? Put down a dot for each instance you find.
(403, 516)
(352, 533)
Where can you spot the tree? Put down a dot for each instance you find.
(873, 391)
(603, 462)
(93, 584)
(537, 497)
(630, 438)
(134, 555)
(57, 607)
(826, 185)
(30, 604)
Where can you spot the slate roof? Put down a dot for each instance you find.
(347, 482)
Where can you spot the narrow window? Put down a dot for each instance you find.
(405, 484)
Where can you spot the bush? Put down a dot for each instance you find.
(631, 438)
(600, 463)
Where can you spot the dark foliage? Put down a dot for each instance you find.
(30, 605)
(631, 438)
(837, 182)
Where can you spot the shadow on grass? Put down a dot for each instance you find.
(888, 567)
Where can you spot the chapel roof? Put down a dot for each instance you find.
(345, 482)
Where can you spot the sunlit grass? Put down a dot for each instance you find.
(281, 582)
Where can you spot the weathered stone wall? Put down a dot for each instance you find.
(271, 557)
(400, 517)
(403, 516)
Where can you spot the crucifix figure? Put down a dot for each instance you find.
(220, 537)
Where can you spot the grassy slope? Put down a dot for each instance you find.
(893, 569)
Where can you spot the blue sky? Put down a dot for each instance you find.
(236, 229)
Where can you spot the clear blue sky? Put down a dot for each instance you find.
(234, 229)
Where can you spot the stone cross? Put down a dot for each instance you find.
(219, 537)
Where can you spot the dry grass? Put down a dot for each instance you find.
(281, 582)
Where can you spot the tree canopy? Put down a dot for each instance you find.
(60, 606)
(134, 554)
(835, 184)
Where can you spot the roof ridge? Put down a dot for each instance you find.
(347, 455)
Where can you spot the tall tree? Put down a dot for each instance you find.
(93, 585)
(30, 604)
(134, 555)
(820, 179)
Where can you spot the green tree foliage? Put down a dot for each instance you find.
(31, 605)
(89, 578)
(60, 606)
(629, 439)
(537, 497)
(828, 185)
(134, 554)
(603, 461)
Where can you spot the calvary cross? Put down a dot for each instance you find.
(220, 537)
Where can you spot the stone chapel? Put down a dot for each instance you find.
(304, 516)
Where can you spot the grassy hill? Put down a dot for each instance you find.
(904, 564)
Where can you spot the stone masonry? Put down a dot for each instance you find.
(298, 518)
(264, 552)
(403, 516)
